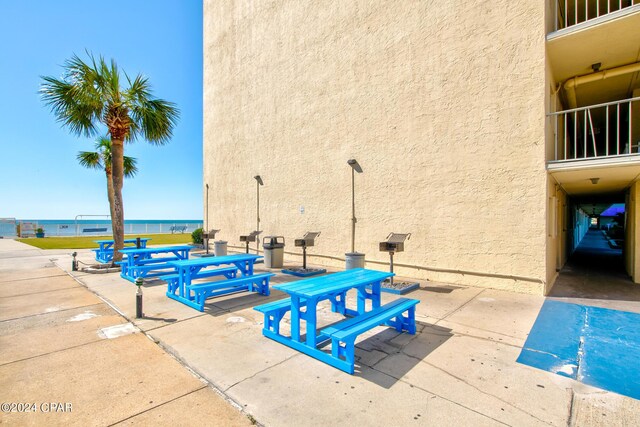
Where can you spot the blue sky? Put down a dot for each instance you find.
(40, 177)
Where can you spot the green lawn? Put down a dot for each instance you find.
(89, 242)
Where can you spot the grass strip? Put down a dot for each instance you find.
(88, 242)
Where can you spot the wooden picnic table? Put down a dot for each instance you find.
(303, 302)
(140, 262)
(180, 286)
(104, 253)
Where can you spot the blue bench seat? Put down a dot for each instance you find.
(172, 279)
(274, 312)
(157, 260)
(202, 291)
(344, 334)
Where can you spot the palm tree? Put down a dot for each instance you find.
(89, 96)
(101, 159)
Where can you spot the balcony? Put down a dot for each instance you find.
(596, 147)
(596, 132)
(571, 13)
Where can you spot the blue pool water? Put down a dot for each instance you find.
(593, 345)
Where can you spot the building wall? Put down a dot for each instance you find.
(557, 235)
(632, 233)
(442, 103)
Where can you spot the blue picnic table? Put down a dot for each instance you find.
(104, 253)
(181, 286)
(150, 262)
(303, 302)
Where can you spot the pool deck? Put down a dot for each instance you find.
(460, 368)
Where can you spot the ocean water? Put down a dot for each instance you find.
(101, 227)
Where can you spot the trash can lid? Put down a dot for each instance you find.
(273, 242)
(354, 254)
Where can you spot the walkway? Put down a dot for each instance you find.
(595, 275)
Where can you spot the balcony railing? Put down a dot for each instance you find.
(597, 131)
(572, 12)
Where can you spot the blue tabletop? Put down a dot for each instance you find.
(135, 251)
(336, 282)
(142, 239)
(204, 261)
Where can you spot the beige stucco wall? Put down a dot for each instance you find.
(442, 103)
(632, 233)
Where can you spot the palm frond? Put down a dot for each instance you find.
(103, 148)
(70, 106)
(130, 167)
(90, 160)
(103, 144)
(74, 99)
(155, 119)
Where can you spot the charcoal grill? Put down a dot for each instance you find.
(393, 244)
(251, 237)
(211, 234)
(307, 240)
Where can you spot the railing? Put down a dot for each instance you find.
(572, 12)
(80, 217)
(63, 228)
(597, 131)
(7, 227)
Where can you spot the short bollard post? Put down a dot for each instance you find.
(74, 262)
(138, 242)
(139, 314)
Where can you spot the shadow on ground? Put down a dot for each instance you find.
(391, 342)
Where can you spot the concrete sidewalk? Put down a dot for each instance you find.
(68, 358)
(459, 369)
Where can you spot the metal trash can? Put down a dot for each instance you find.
(354, 260)
(220, 248)
(273, 251)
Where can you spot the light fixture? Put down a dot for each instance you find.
(355, 165)
(594, 181)
(259, 179)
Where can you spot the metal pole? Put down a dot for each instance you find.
(304, 257)
(258, 216)
(391, 267)
(353, 210)
(206, 220)
(139, 314)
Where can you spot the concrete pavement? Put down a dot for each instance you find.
(458, 369)
(68, 358)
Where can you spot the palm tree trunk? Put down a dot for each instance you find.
(112, 209)
(117, 177)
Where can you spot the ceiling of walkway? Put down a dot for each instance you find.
(577, 178)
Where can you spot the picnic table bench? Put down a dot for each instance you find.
(181, 286)
(104, 253)
(304, 298)
(140, 262)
